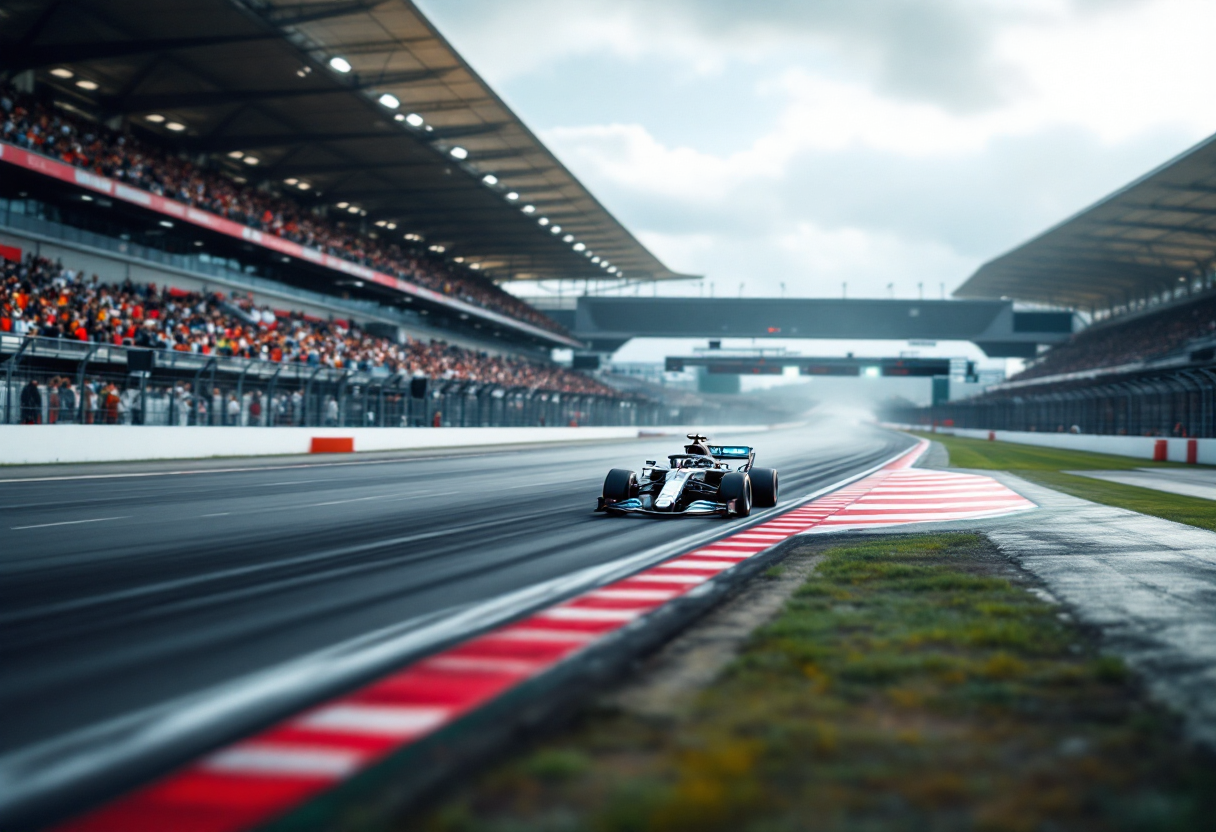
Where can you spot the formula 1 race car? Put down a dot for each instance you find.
(700, 481)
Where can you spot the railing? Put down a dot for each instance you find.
(89, 383)
(1176, 403)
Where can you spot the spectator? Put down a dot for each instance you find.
(1117, 342)
(31, 403)
(67, 401)
(206, 323)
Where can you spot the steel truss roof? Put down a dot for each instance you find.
(1143, 239)
(254, 76)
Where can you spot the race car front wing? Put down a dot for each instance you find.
(703, 508)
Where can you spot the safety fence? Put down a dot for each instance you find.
(1175, 403)
(61, 381)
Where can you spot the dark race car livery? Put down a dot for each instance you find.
(719, 480)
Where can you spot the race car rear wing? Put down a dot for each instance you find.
(730, 451)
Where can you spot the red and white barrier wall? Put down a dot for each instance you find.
(36, 444)
(1200, 451)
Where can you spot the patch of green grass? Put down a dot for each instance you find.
(911, 683)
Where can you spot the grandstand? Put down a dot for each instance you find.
(1141, 264)
(319, 184)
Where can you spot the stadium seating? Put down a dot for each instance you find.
(33, 125)
(1142, 338)
(40, 298)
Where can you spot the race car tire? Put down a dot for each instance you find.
(764, 487)
(736, 486)
(620, 484)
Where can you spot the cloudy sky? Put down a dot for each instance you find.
(873, 142)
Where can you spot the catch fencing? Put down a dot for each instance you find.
(90, 383)
(1176, 403)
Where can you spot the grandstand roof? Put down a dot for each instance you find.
(256, 76)
(1143, 239)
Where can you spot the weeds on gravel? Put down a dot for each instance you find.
(911, 683)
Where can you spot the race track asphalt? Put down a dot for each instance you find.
(141, 584)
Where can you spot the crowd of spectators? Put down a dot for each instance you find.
(1142, 338)
(31, 124)
(41, 298)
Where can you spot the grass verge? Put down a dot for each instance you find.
(913, 682)
(1047, 466)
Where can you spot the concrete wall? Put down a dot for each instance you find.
(1139, 447)
(34, 444)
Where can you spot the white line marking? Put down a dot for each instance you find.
(290, 760)
(376, 720)
(670, 579)
(695, 564)
(634, 594)
(218, 514)
(69, 523)
(589, 614)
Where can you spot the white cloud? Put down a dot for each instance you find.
(900, 141)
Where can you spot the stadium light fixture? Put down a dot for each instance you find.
(61, 72)
(304, 186)
(529, 209)
(569, 238)
(86, 198)
(236, 154)
(490, 179)
(354, 209)
(249, 160)
(392, 226)
(304, 71)
(586, 253)
(512, 196)
(872, 372)
(399, 117)
(437, 249)
(165, 224)
(389, 100)
(594, 259)
(339, 64)
(155, 118)
(343, 205)
(475, 266)
(613, 270)
(458, 259)
(415, 120)
(459, 153)
(177, 127)
(86, 84)
(543, 221)
(557, 229)
(291, 181)
(381, 223)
